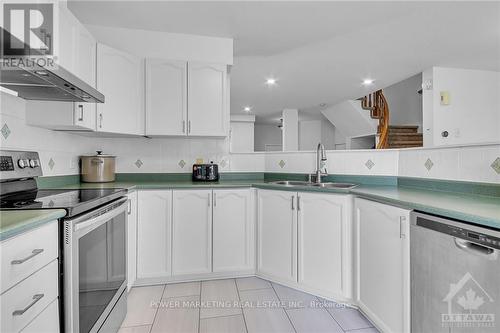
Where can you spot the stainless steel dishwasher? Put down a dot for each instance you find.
(455, 276)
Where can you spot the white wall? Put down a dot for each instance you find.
(473, 115)
(405, 104)
(155, 44)
(266, 134)
(312, 132)
(309, 134)
(290, 130)
(242, 136)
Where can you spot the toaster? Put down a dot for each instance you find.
(205, 172)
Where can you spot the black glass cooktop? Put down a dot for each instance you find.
(74, 201)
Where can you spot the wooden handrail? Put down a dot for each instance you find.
(379, 109)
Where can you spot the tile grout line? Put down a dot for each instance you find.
(242, 312)
(286, 313)
(158, 307)
(333, 317)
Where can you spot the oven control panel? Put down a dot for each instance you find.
(19, 164)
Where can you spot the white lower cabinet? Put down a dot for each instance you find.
(46, 322)
(324, 243)
(131, 239)
(233, 230)
(154, 221)
(192, 232)
(383, 264)
(277, 235)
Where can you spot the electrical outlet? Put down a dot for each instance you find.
(72, 163)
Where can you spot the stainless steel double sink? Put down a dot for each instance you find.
(298, 183)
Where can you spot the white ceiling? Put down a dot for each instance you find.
(319, 51)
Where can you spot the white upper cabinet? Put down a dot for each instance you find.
(192, 232)
(76, 47)
(208, 114)
(120, 78)
(86, 45)
(233, 230)
(154, 225)
(383, 257)
(277, 235)
(186, 99)
(166, 97)
(324, 246)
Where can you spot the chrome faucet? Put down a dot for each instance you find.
(320, 159)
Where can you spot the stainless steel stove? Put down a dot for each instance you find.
(92, 242)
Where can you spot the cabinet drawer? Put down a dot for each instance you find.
(25, 254)
(21, 304)
(46, 322)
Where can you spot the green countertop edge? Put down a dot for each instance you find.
(31, 223)
(260, 179)
(487, 189)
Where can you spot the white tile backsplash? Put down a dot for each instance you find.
(163, 154)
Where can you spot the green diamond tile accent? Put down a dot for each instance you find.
(51, 163)
(369, 164)
(428, 164)
(5, 131)
(496, 165)
(281, 164)
(138, 163)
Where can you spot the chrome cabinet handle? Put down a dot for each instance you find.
(402, 233)
(298, 202)
(189, 126)
(36, 298)
(293, 204)
(100, 120)
(80, 107)
(208, 199)
(129, 211)
(33, 254)
(215, 199)
(183, 126)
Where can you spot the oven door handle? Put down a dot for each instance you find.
(94, 219)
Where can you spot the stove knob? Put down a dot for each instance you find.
(34, 163)
(22, 163)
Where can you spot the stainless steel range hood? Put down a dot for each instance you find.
(32, 80)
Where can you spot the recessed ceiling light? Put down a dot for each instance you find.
(247, 109)
(271, 82)
(367, 82)
(322, 105)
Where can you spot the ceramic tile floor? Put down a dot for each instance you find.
(238, 305)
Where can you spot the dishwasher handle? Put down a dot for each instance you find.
(476, 249)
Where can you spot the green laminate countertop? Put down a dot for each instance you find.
(473, 208)
(15, 222)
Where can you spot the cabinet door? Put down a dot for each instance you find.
(382, 244)
(85, 67)
(131, 239)
(324, 233)
(154, 211)
(192, 232)
(120, 79)
(166, 97)
(207, 100)
(277, 235)
(233, 230)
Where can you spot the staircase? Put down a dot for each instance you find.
(389, 136)
(404, 137)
